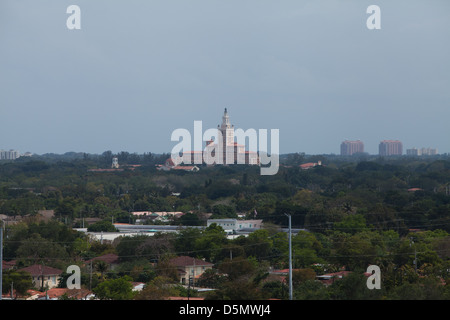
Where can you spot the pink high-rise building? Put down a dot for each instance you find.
(351, 147)
(390, 148)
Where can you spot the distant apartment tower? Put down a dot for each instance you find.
(351, 147)
(413, 152)
(422, 151)
(9, 155)
(429, 151)
(390, 148)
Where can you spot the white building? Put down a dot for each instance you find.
(115, 163)
(230, 225)
(9, 155)
(421, 152)
(224, 151)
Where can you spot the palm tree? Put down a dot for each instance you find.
(101, 266)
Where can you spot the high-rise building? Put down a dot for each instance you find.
(390, 148)
(351, 147)
(9, 155)
(413, 152)
(422, 151)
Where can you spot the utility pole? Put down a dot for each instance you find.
(415, 254)
(290, 256)
(90, 277)
(189, 287)
(1, 258)
(193, 275)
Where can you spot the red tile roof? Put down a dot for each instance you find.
(169, 162)
(8, 264)
(185, 298)
(56, 293)
(38, 270)
(105, 170)
(414, 189)
(184, 261)
(308, 165)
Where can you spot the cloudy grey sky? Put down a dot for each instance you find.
(139, 69)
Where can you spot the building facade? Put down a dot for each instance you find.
(349, 148)
(228, 151)
(190, 269)
(223, 151)
(9, 155)
(421, 152)
(43, 276)
(390, 148)
(230, 225)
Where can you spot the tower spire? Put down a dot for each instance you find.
(225, 120)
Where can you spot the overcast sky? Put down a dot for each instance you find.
(139, 69)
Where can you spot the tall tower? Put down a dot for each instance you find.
(228, 151)
(227, 130)
(115, 163)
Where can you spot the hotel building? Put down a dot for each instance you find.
(390, 148)
(223, 151)
(351, 147)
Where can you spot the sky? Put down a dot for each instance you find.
(139, 69)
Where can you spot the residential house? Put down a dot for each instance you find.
(111, 259)
(64, 293)
(190, 268)
(45, 215)
(329, 278)
(8, 265)
(138, 286)
(186, 298)
(10, 220)
(43, 276)
(170, 165)
(309, 165)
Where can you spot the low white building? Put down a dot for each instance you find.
(230, 225)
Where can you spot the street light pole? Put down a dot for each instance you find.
(290, 256)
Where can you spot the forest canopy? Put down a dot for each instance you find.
(349, 212)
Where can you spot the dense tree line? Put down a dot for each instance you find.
(353, 212)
